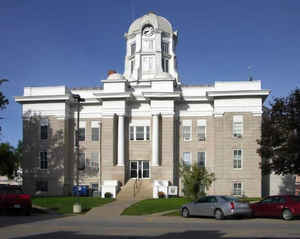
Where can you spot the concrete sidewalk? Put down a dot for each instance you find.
(110, 209)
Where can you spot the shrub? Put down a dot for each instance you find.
(108, 195)
(161, 195)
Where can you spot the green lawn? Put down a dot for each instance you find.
(64, 205)
(150, 206)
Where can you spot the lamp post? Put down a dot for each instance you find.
(78, 99)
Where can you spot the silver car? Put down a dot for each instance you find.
(216, 206)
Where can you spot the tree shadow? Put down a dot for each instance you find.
(59, 145)
(288, 185)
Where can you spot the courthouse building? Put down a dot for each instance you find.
(144, 123)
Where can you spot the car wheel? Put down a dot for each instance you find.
(287, 214)
(185, 212)
(27, 211)
(219, 215)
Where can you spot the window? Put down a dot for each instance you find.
(147, 45)
(237, 127)
(201, 159)
(237, 188)
(132, 49)
(131, 66)
(201, 130)
(44, 129)
(165, 65)
(131, 132)
(187, 161)
(187, 130)
(148, 63)
(41, 186)
(139, 132)
(165, 48)
(94, 161)
(237, 158)
(43, 160)
(95, 134)
(81, 136)
(95, 130)
(82, 162)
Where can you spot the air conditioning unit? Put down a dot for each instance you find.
(237, 135)
(201, 138)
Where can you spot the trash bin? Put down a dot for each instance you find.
(82, 190)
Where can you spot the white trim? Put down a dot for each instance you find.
(82, 124)
(140, 123)
(187, 123)
(201, 122)
(23, 99)
(95, 124)
(230, 93)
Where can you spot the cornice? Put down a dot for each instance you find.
(118, 95)
(23, 99)
(160, 95)
(216, 94)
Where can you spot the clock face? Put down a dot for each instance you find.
(148, 31)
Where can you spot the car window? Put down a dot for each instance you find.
(267, 200)
(295, 198)
(278, 200)
(211, 199)
(202, 200)
(229, 199)
(15, 191)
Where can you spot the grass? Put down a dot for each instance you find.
(64, 205)
(150, 206)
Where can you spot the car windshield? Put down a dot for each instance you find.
(295, 198)
(229, 199)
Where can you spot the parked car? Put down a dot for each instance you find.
(216, 206)
(12, 197)
(287, 207)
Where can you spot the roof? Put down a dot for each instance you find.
(158, 22)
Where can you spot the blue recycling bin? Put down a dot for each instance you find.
(82, 190)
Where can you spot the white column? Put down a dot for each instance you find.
(155, 141)
(121, 140)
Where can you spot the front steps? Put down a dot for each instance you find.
(136, 190)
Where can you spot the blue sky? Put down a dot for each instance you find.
(75, 42)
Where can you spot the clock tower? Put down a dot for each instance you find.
(150, 51)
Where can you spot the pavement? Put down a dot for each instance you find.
(105, 222)
(113, 209)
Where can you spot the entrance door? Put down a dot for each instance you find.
(139, 169)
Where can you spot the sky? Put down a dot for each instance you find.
(75, 43)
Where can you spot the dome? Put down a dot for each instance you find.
(157, 22)
(115, 76)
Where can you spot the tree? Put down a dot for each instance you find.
(280, 141)
(3, 99)
(8, 160)
(195, 180)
